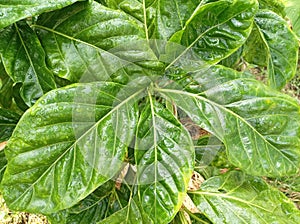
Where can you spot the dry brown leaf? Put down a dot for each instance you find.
(122, 176)
(2, 145)
(195, 181)
(187, 217)
(195, 131)
(189, 205)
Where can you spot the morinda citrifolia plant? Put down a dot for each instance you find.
(121, 111)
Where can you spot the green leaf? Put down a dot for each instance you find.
(90, 210)
(8, 121)
(102, 44)
(131, 214)
(276, 6)
(259, 126)
(239, 198)
(3, 163)
(233, 60)
(24, 61)
(160, 19)
(164, 156)
(206, 150)
(14, 10)
(6, 89)
(69, 143)
(18, 98)
(169, 16)
(217, 29)
(293, 13)
(274, 45)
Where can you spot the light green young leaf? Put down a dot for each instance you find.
(274, 45)
(276, 6)
(164, 156)
(259, 126)
(24, 61)
(14, 10)
(239, 198)
(293, 13)
(69, 143)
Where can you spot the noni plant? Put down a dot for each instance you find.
(124, 111)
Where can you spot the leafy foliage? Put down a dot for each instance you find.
(279, 56)
(245, 194)
(292, 10)
(96, 96)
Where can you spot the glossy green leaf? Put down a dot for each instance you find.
(24, 61)
(131, 214)
(164, 156)
(217, 29)
(293, 13)
(8, 122)
(273, 44)
(239, 198)
(78, 49)
(6, 88)
(3, 163)
(69, 143)
(18, 98)
(14, 10)
(260, 127)
(206, 150)
(234, 59)
(276, 6)
(160, 19)
(90, 210)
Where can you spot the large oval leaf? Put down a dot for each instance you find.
(12, 11)
(239, 198)
(274, 45)
(79, 49)
(260, 127)
(69, 143)
(217, 29)
(24, 60)
(164, 158)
